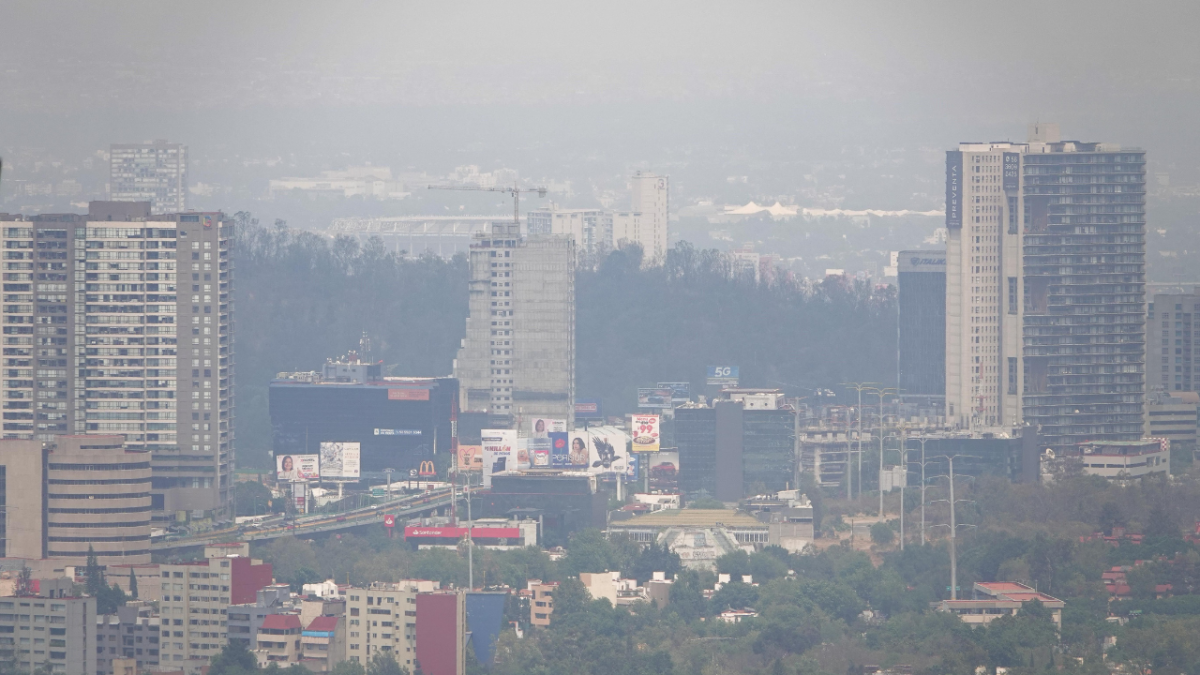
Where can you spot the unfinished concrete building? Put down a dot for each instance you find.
(517, 360)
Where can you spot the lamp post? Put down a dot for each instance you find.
(880, 392)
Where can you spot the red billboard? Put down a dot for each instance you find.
(389, 520)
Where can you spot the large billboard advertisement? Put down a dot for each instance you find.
(654, 397)
(645, 432)
(954, 190)
(470, 458)
(722, 376)
(294, 468)
(499, 452)
(541, 441)
(606, 450)
(680, 392)
(663, 468)
(340, 460)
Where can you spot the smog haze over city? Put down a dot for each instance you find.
(653, 337)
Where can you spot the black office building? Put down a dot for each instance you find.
(398, 421)
(729, 452)
(921, 338)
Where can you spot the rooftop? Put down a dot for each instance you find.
(282, 622)
(691, 518)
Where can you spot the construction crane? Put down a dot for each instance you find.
(515, 190)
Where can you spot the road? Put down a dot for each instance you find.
(401, 508)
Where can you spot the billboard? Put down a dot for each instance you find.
(680, 391)
(631, 469)
(588, 409)
(470, 458)
(1012, 170)
(541, 442)
(577, 455)
(293, 468)
(954, 179)
(606, 450)
(408, 394)
(645, 432)
(340, 460)
(722, 376)
(654, 397)
(663, 468)
(499, 452)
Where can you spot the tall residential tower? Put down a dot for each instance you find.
(1045, 288)
(155, 172)
(120, 322)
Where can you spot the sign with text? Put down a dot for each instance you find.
(293, 468)
(645, 432)
(954, 179)
(340, 460)
(408, 394)
(588, 409)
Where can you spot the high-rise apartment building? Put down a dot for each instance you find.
(1045, 279)
(155, 172)
(50, 630)
(518, 358)
(592, 229)
(383, 618)
(1172, 355)
(646, 222)
(120, 322)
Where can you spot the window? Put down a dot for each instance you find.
(1012, 375)
(1012, 295)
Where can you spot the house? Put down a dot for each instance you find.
(992, 600)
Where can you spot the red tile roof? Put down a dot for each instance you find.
(281, 621)
(323, 623)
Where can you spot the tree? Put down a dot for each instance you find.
(882, 534)
(348, 667)
(95, 575)
(653, 558)
(133, 589)
(383, 663)
(736, 595)
(24, 585)
(251, 498)
(686, 597)
(1110, 517)
(589, 551)
(571, 596)
(1160, 524)
(233, 659)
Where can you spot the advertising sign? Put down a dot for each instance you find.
(577, 456)
(408, 394)
(499, 452)
(954, 179)
(340, 460)
(654, 397)
(606, 451)
(722, 376)
(664, 471)
(541, 442)
(291, 468)
(680, 391)
(645, 432)
(1012, 170)
(559, 449)
(922, 261)
(522, 451)
(588, 409)
(389, 520)
(397, 432)
(470, 458)
(631, 469)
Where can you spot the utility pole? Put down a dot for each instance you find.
(953, 528)
(859, 387)
(881, 392)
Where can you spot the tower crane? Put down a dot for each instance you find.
(515, 191)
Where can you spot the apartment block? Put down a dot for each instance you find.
(541, 601)
(323, 643)
(517, 361)
(1172, 353)
(23, 526)
(120, 322)
(195, 602)
(130, 634)
(58, 631)
(591, 229)
(383, 618)
(150, 172)
(646, 223)
(279, 640)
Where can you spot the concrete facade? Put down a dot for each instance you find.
(1172, 352)
(383, 618)
(591, 229)
(121, 322)
(23, 527)
(59, 631)
(517, 361)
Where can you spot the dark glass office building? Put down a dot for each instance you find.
(728, 452)
(399, 422)
(921, 330)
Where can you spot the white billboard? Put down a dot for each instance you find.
(293, 468)
(340, 460)
(541, 441)
(499, 452)
(607, 450)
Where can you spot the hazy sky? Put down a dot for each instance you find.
(636, 81)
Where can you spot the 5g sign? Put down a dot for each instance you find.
(723, 375)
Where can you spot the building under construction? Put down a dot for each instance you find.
(517, 360)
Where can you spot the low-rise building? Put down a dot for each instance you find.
(244, 619)
(1126, 459)
(323, 643)
(1173, 417)
(541, 601)
(610, 586)
(131, 634)
(992, 600)
(699, 536)
(279, 640)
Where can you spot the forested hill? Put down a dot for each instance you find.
(302, 298)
